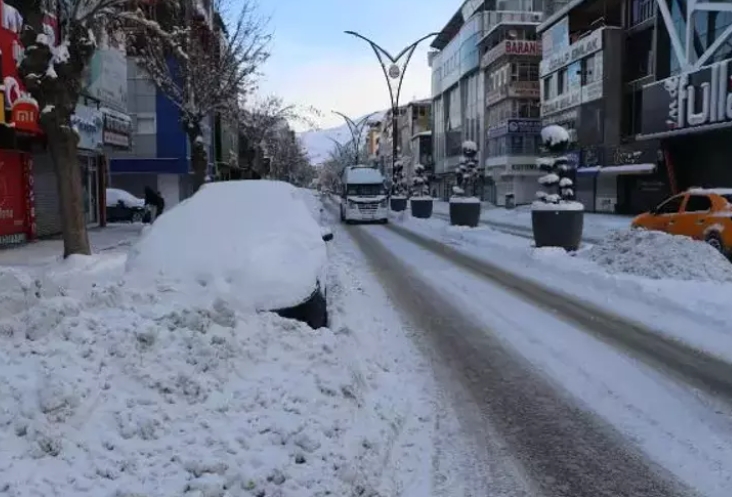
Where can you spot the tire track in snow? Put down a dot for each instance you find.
(567, 451)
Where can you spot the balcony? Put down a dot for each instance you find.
(515, 89)
(493, 19)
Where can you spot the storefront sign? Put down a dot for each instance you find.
(117, 129)
(23, 109)
(691, 101)
(592, 157)
(639, 153)
(12, 195)
(573, 98)
(524, 126)
(89, 124)
(516, 89)
(577, 51)
(511, 47)
(524, 168)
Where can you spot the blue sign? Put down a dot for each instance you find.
(524, 126)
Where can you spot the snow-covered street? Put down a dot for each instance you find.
(456, 362)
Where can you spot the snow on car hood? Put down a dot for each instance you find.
(253, 239)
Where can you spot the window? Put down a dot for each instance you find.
(698, 203)
(671, 206)
(547, 87)
(524, 71)
(562, 82)
(588, 70)
(146, 124)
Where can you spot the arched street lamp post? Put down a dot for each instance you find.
(356, 130)
(394, 74)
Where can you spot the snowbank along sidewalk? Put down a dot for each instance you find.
(112, 388)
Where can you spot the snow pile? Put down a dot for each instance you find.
(656, 255)
(270, 256)
(115, 389)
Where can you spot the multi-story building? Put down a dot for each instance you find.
(457, 92)
(384, 142)
(598, 58)
(160, 153)
(510, 62)
(416, 136)
(688, 109)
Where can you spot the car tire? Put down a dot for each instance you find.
(137, 217)
(715, 240)
(385, 221)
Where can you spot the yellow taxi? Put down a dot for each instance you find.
(702, 214)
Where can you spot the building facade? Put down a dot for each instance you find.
(599, 64)
(510, 62)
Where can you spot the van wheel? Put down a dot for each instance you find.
(715, 241)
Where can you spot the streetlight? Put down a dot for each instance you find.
(356, 129)
(393, 73)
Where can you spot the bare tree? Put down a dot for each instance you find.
(52, 73)
(289, 160)
(207, 70)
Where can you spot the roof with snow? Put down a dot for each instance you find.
(713, 191)
(362, 175)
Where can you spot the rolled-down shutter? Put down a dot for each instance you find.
(48, 216)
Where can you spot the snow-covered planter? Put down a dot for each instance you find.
(556, 218)
(421, 201)
(398, 199)
(465, 209)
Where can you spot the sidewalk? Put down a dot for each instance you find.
(596, 225)
(45, 251)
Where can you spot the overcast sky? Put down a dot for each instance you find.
(315, 64)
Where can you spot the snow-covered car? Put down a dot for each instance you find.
(122, 206)
(254, 241)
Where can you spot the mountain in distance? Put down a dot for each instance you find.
(318, 143)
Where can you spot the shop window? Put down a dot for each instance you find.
(671, 206)
(547, 88)
(698, 203)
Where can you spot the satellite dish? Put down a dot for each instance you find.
(513, 34)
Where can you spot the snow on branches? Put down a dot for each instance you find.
(557, 182)
(420, 184)
(399, 187)
(467, 170)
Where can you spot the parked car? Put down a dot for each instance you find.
(702, 214)
(122, 206)
(255, 239)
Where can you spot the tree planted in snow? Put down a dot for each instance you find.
(207, 69)
(53, 75)
(467, 170)
(557, 183)
(420, 184)
(399, 188)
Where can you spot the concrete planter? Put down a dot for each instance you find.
(557, 228)
(398, 204)
(422, 208)
(465, 214)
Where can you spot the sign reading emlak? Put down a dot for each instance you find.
(691, 101)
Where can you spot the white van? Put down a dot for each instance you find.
(363, 197)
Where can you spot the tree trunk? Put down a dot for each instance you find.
(62, 144)
(199, 160)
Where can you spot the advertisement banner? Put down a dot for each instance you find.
(511, 47)
(524, 126)
(577, 51)
(107, 78)
(555, 38)
(12, 199)
(689, 102)
(89, 123)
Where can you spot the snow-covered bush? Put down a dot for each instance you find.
(557, 184)
(399, 187)
(420, 184)
(467, 170)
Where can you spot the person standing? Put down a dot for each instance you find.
(151, 203)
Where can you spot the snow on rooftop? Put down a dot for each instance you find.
(713, 191)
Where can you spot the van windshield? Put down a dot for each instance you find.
(366, 190)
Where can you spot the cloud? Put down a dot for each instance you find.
(352, 85)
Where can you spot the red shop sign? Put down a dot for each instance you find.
(522, 47)
(23, 109)
(13, 201)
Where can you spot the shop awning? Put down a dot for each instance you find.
(624, 169)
